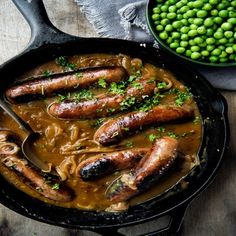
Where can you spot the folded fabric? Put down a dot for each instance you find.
(125, 19)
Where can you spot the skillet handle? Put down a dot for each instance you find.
(43, 32)
(172, 228)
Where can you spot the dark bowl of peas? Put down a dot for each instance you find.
(200, 31)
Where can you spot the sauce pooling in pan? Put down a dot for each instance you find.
(107, 125)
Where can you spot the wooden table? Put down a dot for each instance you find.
(212, 213)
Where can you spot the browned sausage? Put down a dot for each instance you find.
(47, 186)
(104, 105)
(150, 168)
(44, 87)
(115, 129)
(103, 164)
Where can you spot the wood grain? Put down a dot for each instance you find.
(212, 213)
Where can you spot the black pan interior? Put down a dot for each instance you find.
(212, 106)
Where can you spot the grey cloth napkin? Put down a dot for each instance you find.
(125, 19)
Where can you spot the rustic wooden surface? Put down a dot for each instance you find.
(212, 213)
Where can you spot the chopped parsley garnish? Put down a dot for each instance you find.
(172, 134)
(99, 122)
(161, 85)
(152, 137)
(149, 103)
(129, 144)
(102, 83)
(47, 73)
(83, 95)
(182, 96)
(111, 110)
(62, 98)
(137, 85)
(117, 88)
(56, 186)
(79, 75)
(63, 62)
(127, 103)
(161, 129)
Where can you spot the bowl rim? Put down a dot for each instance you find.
(150, 25)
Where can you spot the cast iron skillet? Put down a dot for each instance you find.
(46, 43)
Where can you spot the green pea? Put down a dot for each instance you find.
(179, 17)
(198, 4)
(190, 13)
(229, 50)
(163, 35)
(174, 45)
(184, 9)
(213, 59)
(184, 44)
(169, 40)
(191, 42)
(232, 21)
(209, 32)
(163, 15)
(232, 14)
(207, 7)
(201, 13)
(223, 13)
(164, 8)
(193, 27)
(234, 47)
(218, 20)
(203, 45)
(165, 22)
(190, 20)
(198, 21)
(210, 47)
(226, 26)
(171, 15)
(156, 10)
(195, 55)
(195, 48)
(198, 40)
(155, 16)
(201, 30)
(177, 24)
(180, 50)
(233, 3)
(184, 22)
(218, 35)
(208, 22)
(157, 22)
(224, 59)
(205, 53)
(223, 54)
(228, 34)
(169, 28)
(172, 9)
(184, 37)
(210, 40)
(175, 35)
(184, 29)
(213, 2)
(222, 41)
(220, 6)
(192, 33)
(159, 27)
(216, 52)
(188, 53)
(179, 4)
(214, 12)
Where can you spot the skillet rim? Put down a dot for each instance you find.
(159, 54)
